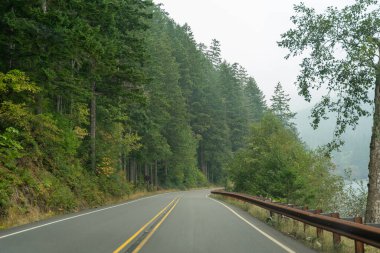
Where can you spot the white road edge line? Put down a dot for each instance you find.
(79, 215)
(259, 230)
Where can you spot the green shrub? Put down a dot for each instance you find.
(10, 148)
(6, 180)
(61, 198)
(113, 185)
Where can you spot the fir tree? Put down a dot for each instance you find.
(255, 100)
(280, 106)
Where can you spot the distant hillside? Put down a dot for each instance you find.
(355, 152)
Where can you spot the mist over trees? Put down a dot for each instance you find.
(354, 154)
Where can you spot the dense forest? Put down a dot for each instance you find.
(99, 99)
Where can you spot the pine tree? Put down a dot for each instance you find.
(214, 53)
(280, 106)
(255, 101)
(235, 110)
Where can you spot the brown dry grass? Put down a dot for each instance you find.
(17, 216)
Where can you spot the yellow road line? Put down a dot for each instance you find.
(145, 240)
(143, 227)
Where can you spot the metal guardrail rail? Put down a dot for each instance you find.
(359, 232)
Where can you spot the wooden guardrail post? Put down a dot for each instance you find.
(305, 208)
(336, 237)
(359, 246)
(319, 230)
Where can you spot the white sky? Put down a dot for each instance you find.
(248, 31)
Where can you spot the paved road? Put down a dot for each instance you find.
(186, 222)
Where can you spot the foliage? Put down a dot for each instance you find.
(280, 106)
(100, 98)
(342, 46)
(352, 200)
(276, 164)
(10, 148)
(256, 101)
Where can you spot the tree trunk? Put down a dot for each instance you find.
(132, 164)
(71, 105)
(59, 104)
(207, 172)
(12, 45)
(121, 161)
(372, 214)
(211, 169)
(146, 176)
(39, 104)
(202, 160)
(151, 176)
(155, 174)
(44, 6)
(124, 165)
(132, 170)
(137, 172)
(166, 171)
(93, 128)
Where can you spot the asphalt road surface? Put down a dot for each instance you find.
(174, 222)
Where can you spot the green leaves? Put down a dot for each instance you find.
(17, 81)
(16, 91)
(280, 106)
(340, 49)
(276, 164)
(162, 101)
(16, 85)
(10, 147)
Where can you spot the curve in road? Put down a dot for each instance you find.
(173, 222)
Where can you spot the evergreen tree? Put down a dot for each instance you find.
(280, 106)
(214, 53)
(255, 100)
(100, 98)
(235, 110)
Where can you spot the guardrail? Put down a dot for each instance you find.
(351, 227)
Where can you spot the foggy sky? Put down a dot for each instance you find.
(248, 31)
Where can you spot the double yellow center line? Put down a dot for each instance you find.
(169, 207)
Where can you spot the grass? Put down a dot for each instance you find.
(297, 230)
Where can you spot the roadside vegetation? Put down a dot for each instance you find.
(102, 100)
(276, 164)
